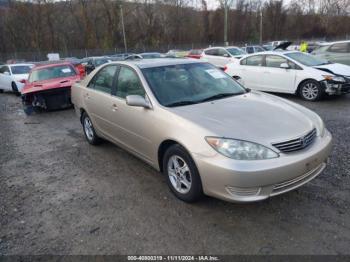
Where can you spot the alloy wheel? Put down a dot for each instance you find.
(310, 91)
(179, 174)
(88, 129)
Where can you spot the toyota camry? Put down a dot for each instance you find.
(204, 131)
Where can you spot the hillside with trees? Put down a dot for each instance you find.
(49, 25)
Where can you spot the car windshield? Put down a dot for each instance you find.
(20, 70)
(306, 59)
(51, 73)
(235, 51)
(185, 84)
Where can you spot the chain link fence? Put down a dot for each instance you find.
(35, 56)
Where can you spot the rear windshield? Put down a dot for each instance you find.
(236, 51)
(51, 73)
(102, 61)
(155, 55)
(20, 70)
(196, 52)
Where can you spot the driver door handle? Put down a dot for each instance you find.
(87, 96)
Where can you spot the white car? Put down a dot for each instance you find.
(13, 77)
(291, 72)
(221, 56)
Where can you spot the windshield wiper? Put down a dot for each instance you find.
(219, 96)
(182, 103)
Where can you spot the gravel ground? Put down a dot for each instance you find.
(59, 195)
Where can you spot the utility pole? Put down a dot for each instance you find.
(225, 23)
(261, 26)
(227, 4)
(123, 28)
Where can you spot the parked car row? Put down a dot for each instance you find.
(202, 120)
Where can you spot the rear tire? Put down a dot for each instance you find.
(15, 89)
(1, 91)
(182, 175)
(311, 90)
(89, 130)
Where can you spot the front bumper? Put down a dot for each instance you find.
(249, 181)
(335, 88)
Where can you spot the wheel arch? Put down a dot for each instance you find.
(302, 82)
(81, 112)
(163, 147)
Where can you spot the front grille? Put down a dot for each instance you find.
(345, 88)
(297, 144)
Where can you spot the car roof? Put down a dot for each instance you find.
(51, 65)
(21, 64)
(225, 47)
(149, 53)
(278, 52)
(251, 46)
(149, 63)
(332, 43)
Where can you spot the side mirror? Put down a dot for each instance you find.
(6, 73)
(284, 66)
(138, 101)
(226, 55)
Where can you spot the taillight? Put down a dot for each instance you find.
(23, 81)
(225, 68)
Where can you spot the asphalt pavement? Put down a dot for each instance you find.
(60, 195)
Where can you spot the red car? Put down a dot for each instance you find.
(195, 53)
(49, 86)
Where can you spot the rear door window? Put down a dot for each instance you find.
(223, 52)
(339, 48)
(4, 69)
(256, 60)
(275, 61)
(213, 52)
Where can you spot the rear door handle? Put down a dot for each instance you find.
(114, 107)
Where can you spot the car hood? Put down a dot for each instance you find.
(50, 84)
(255, 117)
(283, 45)
(336, 69)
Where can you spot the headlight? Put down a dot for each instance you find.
(320, 126)
(240, 150)
(334, 78)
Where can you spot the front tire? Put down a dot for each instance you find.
(311, 90)
(89, 130)
(182, 175)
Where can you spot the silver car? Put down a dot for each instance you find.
(205, 132)
(336, 52)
